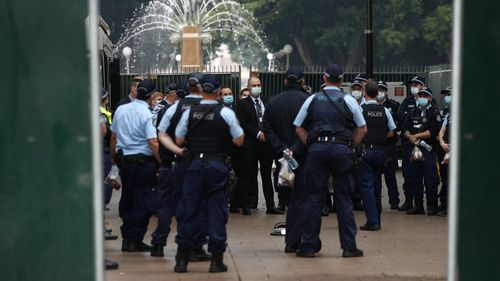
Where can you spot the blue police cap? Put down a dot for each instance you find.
(418, 79)
(334, 72)
(361, 77)
(382, 84)
(195, 78)
(182, 90)
(426, 91)
(210, 83)
(145, 89)
(294, 74)
(446, 91)
(356, 82)
(103, 93)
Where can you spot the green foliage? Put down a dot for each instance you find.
(437, 27)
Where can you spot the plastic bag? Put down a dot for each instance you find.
(113, 178)
(286, 176)
(446, 159)
(416, 155)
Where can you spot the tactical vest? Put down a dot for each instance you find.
(208, 132)
(420, 123)
(107, 138)
(376, 123)
(331, 116)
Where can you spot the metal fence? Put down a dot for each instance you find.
(229, 75)
(273, 81)
(438, 78)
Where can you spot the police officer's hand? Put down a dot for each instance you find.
(412, 139)
(445, 146)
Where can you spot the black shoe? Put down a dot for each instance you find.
(157, 251)
(109, 236)
(352, 254)
(135, 246)
(357, 206)
(324, 213)
(291, 249)
(181, 261)
(274, 211)
(110, 265)
(443, 213)
(199, 255)
(416, 211)
(246, 212)
(432, 211)
(281, 208)
(305, 254)
(370, 227)
(442, 207)
(394, 206)
(217, 264)
(234, 210)
(407, 205)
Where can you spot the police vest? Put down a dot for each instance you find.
(376, 123)
(446, 136)
(331, 116)
(208, 132)
(420, 123)
(106, 115)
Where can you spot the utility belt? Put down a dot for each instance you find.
(375, 146)
(330, 139)
(208, 157)
(138, 158)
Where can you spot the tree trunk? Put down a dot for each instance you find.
(303, 51)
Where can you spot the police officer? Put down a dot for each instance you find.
(357, 91)
(133, 91)
(357, 87)
(380, 127)
(137, 156)
(444, 141)
(278, 126)
(391, 159)
(423, 124)
(331, 122)
(173, 153)
(209, 129)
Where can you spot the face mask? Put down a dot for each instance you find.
(357, 94)
(381, 96)
(447, 100)
(422, 102)
(414, 90)
(228, 100)
(256, 91)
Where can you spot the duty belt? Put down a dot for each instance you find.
(330, 139)
(374, 146)
(208, 157)
(139, 158)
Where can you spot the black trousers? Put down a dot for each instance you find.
(261, 155)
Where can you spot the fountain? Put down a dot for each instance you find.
(194, 29)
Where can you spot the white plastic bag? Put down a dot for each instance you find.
(286, 176)
(113, 178)
(416, 155)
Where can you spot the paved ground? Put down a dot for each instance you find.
(407, 248)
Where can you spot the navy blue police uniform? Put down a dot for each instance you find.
(279, 129)
(378, 122)
(330, 117)
(133, 127)
(443, 167)
(208, 129)
(391, 157)
(419, 121)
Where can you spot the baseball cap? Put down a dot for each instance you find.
(210, 83)
(362, 77)
(195, 78)
(382, 84)
(334, 73)
(356, 82)
(446, 91)
(418, 79)
(426, 91)
(145, 89)
(294, 74)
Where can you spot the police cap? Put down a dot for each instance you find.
(195, 78)
(425, 91)
(103, 93)
(334, 73)
(210, 83)
(182, 90)
(418, 79)
(294, 74)
(361, 77)
(382, 84)
(446, 91)
(171, 87)
(145, 89)
(356, 82)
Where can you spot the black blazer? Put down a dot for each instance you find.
(247, 115)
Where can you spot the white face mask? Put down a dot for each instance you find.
(256, 91)
(414, 90)
(381, 96)
(447, 100)
(357, 94)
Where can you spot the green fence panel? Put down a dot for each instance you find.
(46, 206)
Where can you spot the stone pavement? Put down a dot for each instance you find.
(407, 248)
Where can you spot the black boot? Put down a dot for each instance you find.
(157, 251)
(418, 209)
(217, 265)
(199, 255)
(407, 205)
(181, 261)
(432, 207)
